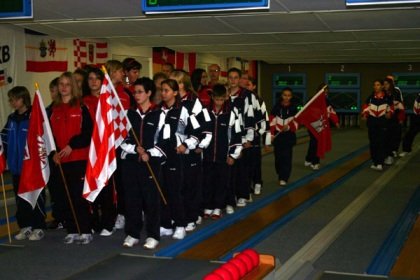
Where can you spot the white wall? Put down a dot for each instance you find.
(116, 50)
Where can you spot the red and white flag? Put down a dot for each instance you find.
(45, 54)
(2, 158)
(39, 144)
(110, 128)
(314, 116)
(89, 53)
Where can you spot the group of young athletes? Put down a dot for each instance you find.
(194, 151)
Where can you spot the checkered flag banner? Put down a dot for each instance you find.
(111, 126)
(89, 53)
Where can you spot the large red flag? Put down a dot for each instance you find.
(110, 128)
(39, 144)
(2, 158)
(314, 116)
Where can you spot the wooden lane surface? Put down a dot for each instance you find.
(407, 265)
(221, 243)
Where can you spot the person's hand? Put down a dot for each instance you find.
(56, 158)
(65, 152)
(230, 161)
(286, 127)
(140, 150)
(181, 149)
(145, 157)
(388, 115)
(247, 145)
(198, 151)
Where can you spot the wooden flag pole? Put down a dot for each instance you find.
(137, 140)
(6, 210)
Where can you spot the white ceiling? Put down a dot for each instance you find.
(292, 31)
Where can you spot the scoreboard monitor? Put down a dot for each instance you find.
(343, 80)
(189, 6)
(16, 9)
(380, 2)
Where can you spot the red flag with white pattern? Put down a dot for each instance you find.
(2, 158)
(111, 126)
(39, 144)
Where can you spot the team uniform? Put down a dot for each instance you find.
(262, 136)
(172, 136)
(141, 193)
(394, 128)
(226, 142)
(72, 125)
(192, 161)
(375, 110)
(414, 127)
(243, 104)
(311, 158)
(14, 137)
(126, 102)
(284, 140)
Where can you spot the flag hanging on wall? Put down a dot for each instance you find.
(45, 54)
(186, 61)
(162, 55)
(89, 53)
(39, 144)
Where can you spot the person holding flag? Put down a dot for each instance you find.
(31, 221)
(72, 129)
(315, 149)
(283, 128)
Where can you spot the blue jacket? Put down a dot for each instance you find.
(14, 140)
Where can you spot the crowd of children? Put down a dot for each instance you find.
(187, 157)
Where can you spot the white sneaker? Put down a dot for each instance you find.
(190, 227)
(71, 237)
(150, 243)
(24, 233)
(85, 238)
(389, 160)
(37, 234)
(217, 214)
(106, 232)
(307, 163)
(179, 233)
(229, 209)
(166, 231)
(120, 222)
(241, 202)
(377, 167)
(207, 213)
(257, 189)
(315, 166)
(199, 220)
(130, 241)
(282, 183)
(403, 154)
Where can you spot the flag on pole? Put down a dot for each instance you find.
(39, 144)
(314, 116)
(111, 126)
(2, 158)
